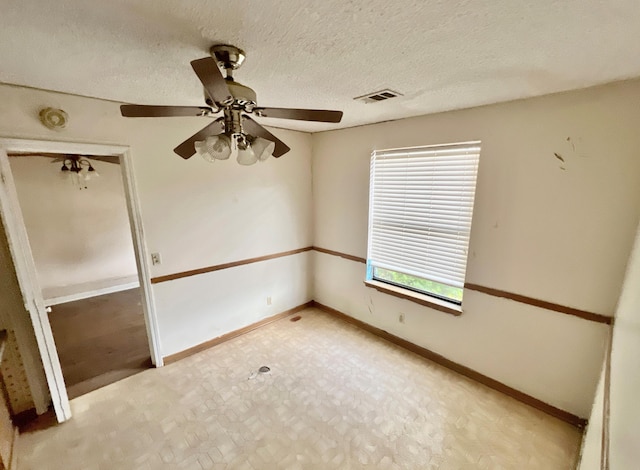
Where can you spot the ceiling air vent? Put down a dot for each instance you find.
(378, 96)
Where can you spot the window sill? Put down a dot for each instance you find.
(422, 299)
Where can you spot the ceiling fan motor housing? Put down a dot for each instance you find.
(228, 56)
(243, 96)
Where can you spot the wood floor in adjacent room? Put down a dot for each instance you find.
(335, 397)
(100, 340)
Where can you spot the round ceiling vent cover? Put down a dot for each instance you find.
(54, 118)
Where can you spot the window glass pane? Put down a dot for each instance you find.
(419, 284)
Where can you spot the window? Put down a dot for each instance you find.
(420, 208)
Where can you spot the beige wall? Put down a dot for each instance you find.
(624, 383)
(80, 239)
(560, 235)
(591, 452)
(625, 365)
(196, 214)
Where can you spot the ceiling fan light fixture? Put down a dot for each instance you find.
(78, 169)
(201, 149)
(89, 173)
(219, 146)
(246, 156)
(263, 148)
(214, 147)
(64, 173)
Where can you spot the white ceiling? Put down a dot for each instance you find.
(441, 54)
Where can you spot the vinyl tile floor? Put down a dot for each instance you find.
(335, 397)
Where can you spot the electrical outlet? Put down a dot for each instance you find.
(401, 317)
(155, 258)
(269, 300)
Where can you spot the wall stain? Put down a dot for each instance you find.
(559, 157)
(572, 144)
(370, 305)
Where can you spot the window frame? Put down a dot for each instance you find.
(425, 297)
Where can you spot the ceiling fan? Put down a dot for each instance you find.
(79, 169)
(235, 131)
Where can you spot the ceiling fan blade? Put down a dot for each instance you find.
(253, 128)
(100, 158)
(211, 77)
(187, 148)
(60, 157)
(136, 110)
(320, 115)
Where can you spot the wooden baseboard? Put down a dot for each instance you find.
(233, 264)
(454, 366)
(25, 417)
(597, 317)
(31, 421)
(233, 334)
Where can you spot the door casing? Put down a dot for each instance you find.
(25, 266)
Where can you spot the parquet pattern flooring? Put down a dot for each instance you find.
(336, 397)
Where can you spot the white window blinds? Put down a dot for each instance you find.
(420, 208)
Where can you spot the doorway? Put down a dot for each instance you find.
(75, 304)
(75, 214)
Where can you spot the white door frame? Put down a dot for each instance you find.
(25, 267)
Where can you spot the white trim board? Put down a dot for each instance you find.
(33, 303)
(57, 296)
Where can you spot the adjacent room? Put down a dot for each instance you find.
(319, 235)
(76, 219)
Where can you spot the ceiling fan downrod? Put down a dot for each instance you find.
(232, 121)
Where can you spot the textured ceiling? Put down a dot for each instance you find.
(440, 54)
